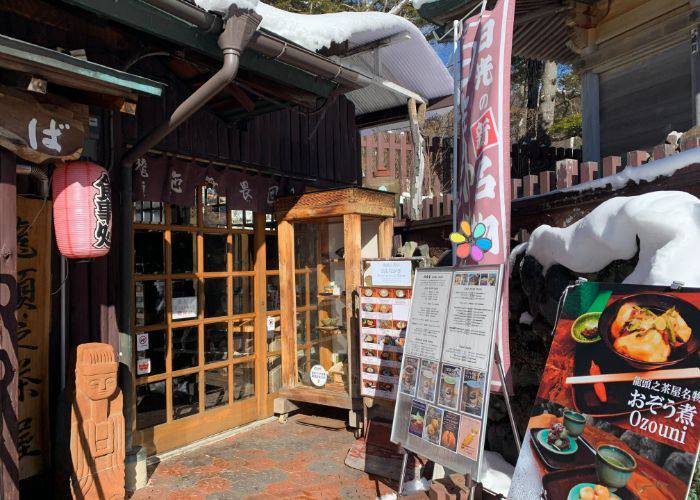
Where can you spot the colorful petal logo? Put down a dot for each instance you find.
(471, 243)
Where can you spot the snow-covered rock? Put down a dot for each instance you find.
(667, 224)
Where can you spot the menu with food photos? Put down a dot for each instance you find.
(443, 395)
(383, 320)
(616, 414)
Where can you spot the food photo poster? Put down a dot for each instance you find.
(616, 414)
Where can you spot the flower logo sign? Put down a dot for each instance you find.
(473, 244)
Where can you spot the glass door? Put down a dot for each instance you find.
(199, 320)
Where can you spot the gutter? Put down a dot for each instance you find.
(239, 27)
(269, 45)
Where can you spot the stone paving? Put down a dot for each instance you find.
(272, 461)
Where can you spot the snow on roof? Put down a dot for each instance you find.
(412, 63)
(667, 224)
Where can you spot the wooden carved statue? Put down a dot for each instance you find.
(97, 426)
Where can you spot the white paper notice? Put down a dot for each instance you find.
(426, 325)
(184, 307)
(470, 319)
(389, 273)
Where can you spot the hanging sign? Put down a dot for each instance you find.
(617, 407)
(33, 320)
(387, 272)
(383, 319)
(441, 407)
(482, 211)
(39, 127)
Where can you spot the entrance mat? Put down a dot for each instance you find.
(325, 422)
(376, 454)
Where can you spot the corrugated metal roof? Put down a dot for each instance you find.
(412, 64)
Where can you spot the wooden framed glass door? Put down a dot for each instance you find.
(199, 320)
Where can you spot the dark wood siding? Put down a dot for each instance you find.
(642, 102)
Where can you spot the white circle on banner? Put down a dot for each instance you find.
(318, 375)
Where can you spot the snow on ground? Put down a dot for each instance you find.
(667, 224)
(315, 32)
(496, 473)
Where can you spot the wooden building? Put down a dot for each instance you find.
(189, 294)
(638, 60)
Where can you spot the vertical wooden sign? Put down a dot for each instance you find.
(33, 319)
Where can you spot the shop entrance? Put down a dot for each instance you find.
(205, 319)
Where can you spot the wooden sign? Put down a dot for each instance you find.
(41, 127)
(33, 315)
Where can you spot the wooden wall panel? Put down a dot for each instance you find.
(642, 102)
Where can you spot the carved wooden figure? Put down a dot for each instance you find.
(97, 426)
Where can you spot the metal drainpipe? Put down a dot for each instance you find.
(239, 27)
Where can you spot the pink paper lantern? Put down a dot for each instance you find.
(82, 210)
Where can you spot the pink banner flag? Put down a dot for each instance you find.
(483, 177)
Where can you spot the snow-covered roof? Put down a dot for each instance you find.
(410, 63)
(667, 224)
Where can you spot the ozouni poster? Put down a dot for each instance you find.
(616, 414)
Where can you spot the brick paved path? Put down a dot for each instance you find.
(272, 461)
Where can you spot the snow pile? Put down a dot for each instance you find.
(319, 31)
(496, 473)
(667, 224)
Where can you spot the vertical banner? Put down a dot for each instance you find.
(33, 315)
(483, 179)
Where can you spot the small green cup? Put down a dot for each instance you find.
(574, 423)
(614, 466)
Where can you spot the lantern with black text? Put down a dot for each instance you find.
(82, 210)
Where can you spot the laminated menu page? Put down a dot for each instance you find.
(443, 393)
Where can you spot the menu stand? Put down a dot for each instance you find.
(469, 481)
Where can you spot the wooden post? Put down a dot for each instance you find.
(547, 181)
(515, 187)
(386, 237)
(611, 165)
(352, 238)
(530, 185)
(9, 466)
(260, 335)
(285, 238)
(589, 171)
(636, 158)
(590, 102)
(566, 171)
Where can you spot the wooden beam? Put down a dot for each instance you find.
(9, 406)
(285, 239)
(260, 336)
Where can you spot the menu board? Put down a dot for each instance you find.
(443, 395)
(617, 407)
(383, 320)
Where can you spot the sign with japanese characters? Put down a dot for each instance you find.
(617, 407)
(40, 127)
(393, 272)
(442, 402)
(482, 209)
(33, 321)
(383, 321)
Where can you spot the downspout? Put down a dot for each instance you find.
(239, 26)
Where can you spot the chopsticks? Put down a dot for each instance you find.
(686, 373)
